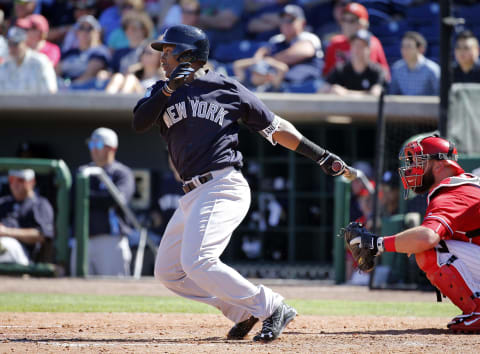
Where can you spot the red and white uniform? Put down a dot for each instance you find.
(454, 208)
(453, 266)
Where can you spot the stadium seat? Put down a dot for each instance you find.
(471, 14)
(389, 31)
(228, 52)
(425, 13)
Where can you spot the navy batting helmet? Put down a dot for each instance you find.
(191, 43)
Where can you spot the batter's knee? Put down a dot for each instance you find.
(197, 266)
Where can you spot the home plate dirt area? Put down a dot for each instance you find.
(206, 333)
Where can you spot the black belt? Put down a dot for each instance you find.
(190, 186)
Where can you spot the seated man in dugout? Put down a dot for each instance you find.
(26, 222)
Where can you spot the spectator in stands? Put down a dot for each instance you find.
(467, 68)
(3, 42)
(358, 76)
(186, 12)
(137, 27)
(26, 70)
(389, 193)
(81, 65)
(328, 29)
(190, 12)
(23, 8)
(415, 74)
(221, 20)
(60, 16)
(295, 47)
(139, 76)
(111, 18)
(68, 32)
(26, 222)
(354, 18)
(263, 19)
(264, 75)
(108, 249)
(37, 31)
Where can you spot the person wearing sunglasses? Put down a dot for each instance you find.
(26, 222)
(108, 249)
(354, 18)
(295, 47)
(25, 70)
(79, 66)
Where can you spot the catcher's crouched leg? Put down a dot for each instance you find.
(449, 280)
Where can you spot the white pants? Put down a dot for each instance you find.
(12, 251)
(199, 231)
(107, 255)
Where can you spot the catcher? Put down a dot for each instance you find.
(447, 244)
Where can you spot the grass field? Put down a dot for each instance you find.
(21, 302)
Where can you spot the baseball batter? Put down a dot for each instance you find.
(446, 245)
(198, 113)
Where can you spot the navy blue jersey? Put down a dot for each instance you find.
(200, 122)
(34, 213)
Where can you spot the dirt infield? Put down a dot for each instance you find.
(184, 333)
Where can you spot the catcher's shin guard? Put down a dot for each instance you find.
(449, 281)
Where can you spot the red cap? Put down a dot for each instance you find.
(357, 9)
(34, 21)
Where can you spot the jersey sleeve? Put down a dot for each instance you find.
(43, 215)
(257, 116)
(442, 214)
(148, 93)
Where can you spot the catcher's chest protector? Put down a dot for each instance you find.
(465, 178)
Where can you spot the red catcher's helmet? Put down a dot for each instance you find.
(415, 154)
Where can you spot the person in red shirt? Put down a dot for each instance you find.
(354, 18)
(37, 31)
(447, 243)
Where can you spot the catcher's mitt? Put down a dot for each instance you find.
(362, 244)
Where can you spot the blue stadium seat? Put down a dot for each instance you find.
(425, 13)
(392, 50)
(389, 31)
(228, 52)
(471, 14)
(431, 31)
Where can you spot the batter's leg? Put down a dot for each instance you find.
(169, 271)
(213, 212)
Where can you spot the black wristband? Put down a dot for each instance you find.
(310, 149)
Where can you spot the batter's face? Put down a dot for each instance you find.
(169, 61)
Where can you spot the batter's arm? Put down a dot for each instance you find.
(288, 136)
(147, 113)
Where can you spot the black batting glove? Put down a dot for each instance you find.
(331, 164)
(179, 75)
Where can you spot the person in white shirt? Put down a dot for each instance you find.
(25, 70)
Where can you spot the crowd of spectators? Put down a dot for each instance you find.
(327, 46)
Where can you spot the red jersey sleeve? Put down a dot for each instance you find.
(444, 213)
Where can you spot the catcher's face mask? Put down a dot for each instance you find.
(415, 155)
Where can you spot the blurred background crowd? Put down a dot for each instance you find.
(303, 46)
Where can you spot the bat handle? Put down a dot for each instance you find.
(350, 173)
